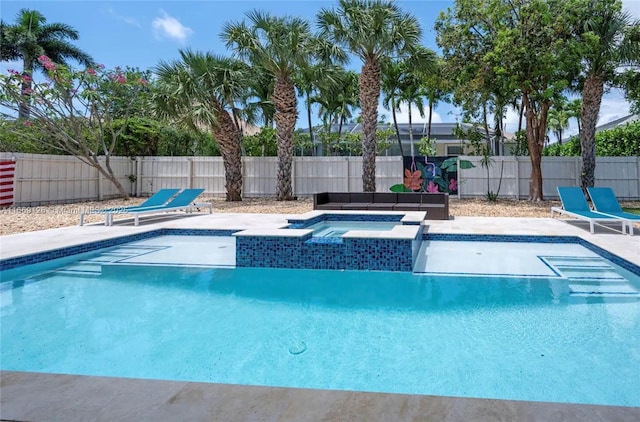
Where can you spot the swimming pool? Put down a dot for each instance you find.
(123, 312)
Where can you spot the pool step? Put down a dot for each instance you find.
(592, 277)
(608, 288)
(93, 266)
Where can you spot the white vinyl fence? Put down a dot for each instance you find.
(51, 179)
(622, 174)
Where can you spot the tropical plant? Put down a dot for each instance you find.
(514, 47)
(281, 46)
(574, 107)
(337, 99)
(391, 85)
(427, 146)
(31, 37)
(372, 30)
(629, 80)
(311, 76)
(262, 144)
(609, 39)
(258, 100)
(558, 119)
(437, 88)
(202, 90)
(73, 109)
(621, 141)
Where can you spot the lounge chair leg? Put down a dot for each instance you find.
(81, 219)
(592, 229)
(135, 220)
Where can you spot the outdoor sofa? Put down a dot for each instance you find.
(436, 205)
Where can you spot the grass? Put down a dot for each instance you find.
(632, 210)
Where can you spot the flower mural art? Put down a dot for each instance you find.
(431, 174)
(413, 179)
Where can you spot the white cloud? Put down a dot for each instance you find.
(403, 115)
(126, 19)
(613, 107)
(632, 6)
(169, 27)
(512, 120)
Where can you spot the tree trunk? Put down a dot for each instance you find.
(107, 172)
(591, 99)
(284, 99)
(229, 137)
(411, 133)
(430, 117)
(395, 124)
(24, 108)
(309, 118)
(521, 113)
(536, 130)
(369, 96)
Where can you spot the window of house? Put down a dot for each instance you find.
(454, 150)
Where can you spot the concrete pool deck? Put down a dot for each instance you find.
(36, 396)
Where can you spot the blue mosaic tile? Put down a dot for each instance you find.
(379, 254)
(10, 263)
(325, 253)
(629, 266)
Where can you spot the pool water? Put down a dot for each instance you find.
(338, 228)
(483, 336)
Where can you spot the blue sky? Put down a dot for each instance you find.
(141, 33)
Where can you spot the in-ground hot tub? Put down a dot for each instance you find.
(345, 240)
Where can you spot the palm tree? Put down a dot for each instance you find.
(558, 119)
(403, 80)
(372, 30)
(281, 46)
(391, 85)
(203, 90)
(413, 94)
(337, 99)
(259, 96)
(437, 88)
(30, 37)
(609, 43)
(574, 108)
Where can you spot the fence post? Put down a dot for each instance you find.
(638, 174)
(190, 172)
(138, 176)
(293, 175)
(100, 194)
(577, 169)
(243, 164)
(459, 177)
(348, 161)
(517, 178)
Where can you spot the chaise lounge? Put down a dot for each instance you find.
(575, 205)
(184, 201)
(605, 202)
(159, 198)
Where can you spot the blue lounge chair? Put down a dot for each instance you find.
(605, 202)
(159, 198)
(575, 205)
(183, 201)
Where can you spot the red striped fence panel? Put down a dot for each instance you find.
(7, 177)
